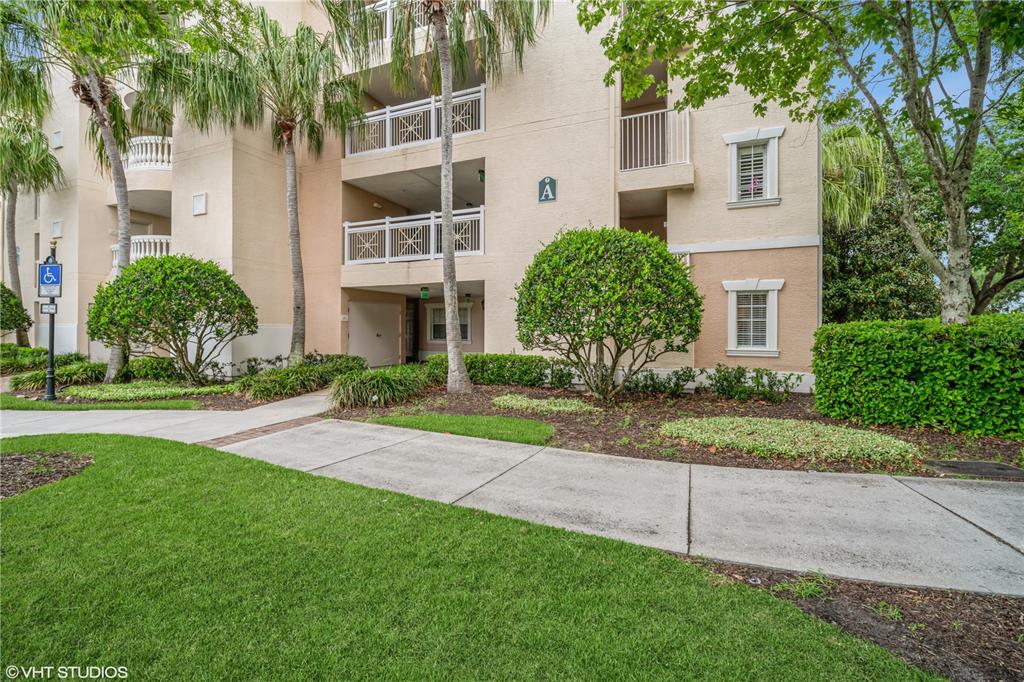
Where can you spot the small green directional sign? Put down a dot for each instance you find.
(547, 190)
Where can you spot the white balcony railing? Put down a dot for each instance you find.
(142, 246)
(149, 152)
(416, 122)
(388, 9)
(414, 237)
(657, 138)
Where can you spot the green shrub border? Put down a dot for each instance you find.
(924, 373)
(507, 369)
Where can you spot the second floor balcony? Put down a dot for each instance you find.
(654, 138)
(142, 246)
(413, 237)
(149, 152)
(416, 122)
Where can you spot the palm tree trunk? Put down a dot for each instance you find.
(21, 335)
(298, 348)
(9, 236)
(458, 377)
(124, 215)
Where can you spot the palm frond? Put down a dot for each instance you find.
(853, 175)
(26, 161)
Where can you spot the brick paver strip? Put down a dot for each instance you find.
(257, 432)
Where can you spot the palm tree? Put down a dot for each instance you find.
(247, 70)
(463, 34)
(26, 163)
(25, 158)
(98, 44)
(853, 175)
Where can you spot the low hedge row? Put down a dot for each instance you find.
(271, 384)
(14, 358)
(509, 369)
(924, 373)
(153, 369)
(68, 375)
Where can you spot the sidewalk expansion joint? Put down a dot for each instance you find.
(492, 480)
(368, 452)
(689, 507)
(984, 530)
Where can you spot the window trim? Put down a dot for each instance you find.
(431, 307)
(772, 286)
(734, 140)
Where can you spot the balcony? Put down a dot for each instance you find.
(411, 238)
(387, 8)
(142, 246)
(149, 152)
(655, 151)
(415, 123)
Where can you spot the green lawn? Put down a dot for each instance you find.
(182, 562)
(514, 429)
(13, 402)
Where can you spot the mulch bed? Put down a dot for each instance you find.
(630, 427)
(22, 472)
(959, 635)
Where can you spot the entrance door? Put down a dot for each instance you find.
(374, 332)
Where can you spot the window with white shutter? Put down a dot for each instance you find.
(754, 167)
(753, 317)
(751, 178)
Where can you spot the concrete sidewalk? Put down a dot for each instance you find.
(965, 535)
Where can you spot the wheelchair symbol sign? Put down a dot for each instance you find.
(49, 280)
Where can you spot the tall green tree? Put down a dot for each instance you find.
(26, 163)
(887, 63)
(242, 69)
(853, 175)
(98, 45)
(464, 34)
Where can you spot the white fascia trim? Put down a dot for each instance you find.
(752, 134)
(747, 244)
(752, 203)
(753, 284)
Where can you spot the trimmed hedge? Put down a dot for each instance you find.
(15, 358)
(379, 387)
(68, 375)
(924, 373)
(271, 384)
(505, 369)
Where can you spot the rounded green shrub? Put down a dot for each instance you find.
(608, 301)
(13, 316)
(795, 439)
(924, 373)
(673, 384)
(379, 387)
(189, 308)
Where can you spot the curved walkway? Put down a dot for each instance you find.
(965, 535)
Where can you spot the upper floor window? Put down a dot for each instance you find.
(754, 167)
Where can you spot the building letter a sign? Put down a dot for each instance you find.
(547, 190)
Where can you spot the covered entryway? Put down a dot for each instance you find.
(374, 332)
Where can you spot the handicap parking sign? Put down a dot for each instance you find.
(49, 280)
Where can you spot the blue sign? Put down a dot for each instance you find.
(49, 280)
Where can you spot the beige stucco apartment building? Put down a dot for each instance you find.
(550, 148)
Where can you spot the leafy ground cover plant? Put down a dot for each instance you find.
(673, 384)
(13, 402)
(524, 403)
(20, 359)
(794, 439)
(378, 387)
(741, 383)
(145, 390)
